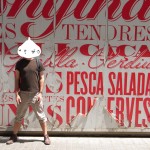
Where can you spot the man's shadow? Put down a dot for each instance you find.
(4, 139)
(5, 136)
(20, 140)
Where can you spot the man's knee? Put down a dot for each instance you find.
(43, 121)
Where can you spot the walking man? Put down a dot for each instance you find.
(29, 82)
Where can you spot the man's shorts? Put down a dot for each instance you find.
(30, 99)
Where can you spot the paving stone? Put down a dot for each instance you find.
(77, 143)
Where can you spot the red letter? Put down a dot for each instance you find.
(70, 79)
(120, 110)
(137, 112)
(69, 104)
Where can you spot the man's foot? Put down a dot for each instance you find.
(12, 139)
(47, 140)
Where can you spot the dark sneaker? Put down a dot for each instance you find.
(12, 139)
(47, 140)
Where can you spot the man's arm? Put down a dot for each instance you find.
(17, 78)
(17, 89)
(41, 81)
(41, 76)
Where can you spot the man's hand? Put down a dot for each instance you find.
(40, 97)
(18, 99)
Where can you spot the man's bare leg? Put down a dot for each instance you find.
(16, 127)
(44, 129)
(13, 138)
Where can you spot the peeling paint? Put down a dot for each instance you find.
(113, 116)
(91, 119)
(95, 117)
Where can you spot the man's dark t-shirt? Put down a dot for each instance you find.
(29, 74)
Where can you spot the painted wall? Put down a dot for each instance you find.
(96, 55)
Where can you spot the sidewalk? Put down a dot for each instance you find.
(77, 143)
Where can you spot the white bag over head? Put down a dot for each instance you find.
(29, 49)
